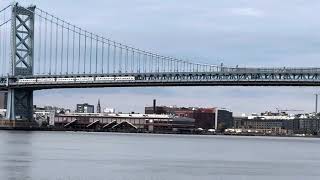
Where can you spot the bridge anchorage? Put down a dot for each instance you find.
(41, 51)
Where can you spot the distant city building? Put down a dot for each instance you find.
(85, 108)
(279, 123)
(307, 126)
(246, 123)
(109, 110)
(99, 107)
(157, 110)
(57, 110)
(3, 100)
(205, 118)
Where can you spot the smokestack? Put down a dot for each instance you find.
(154, 106)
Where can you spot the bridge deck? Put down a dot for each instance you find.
(235, 78)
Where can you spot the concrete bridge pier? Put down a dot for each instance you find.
(20, 104)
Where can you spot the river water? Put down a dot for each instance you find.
(95, 156)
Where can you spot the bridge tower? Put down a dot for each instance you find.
(20, 101)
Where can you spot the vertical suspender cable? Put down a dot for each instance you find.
(97, 55)
(2, 59)
(156, 68)
(68, 34)
(5, 43)
(162, 64)
(120, 58)
(175, 65)
(131, 60)
(61, 65)
(126, 60)
(73, 43)
(172, 64)
(178, 65)
(39, 55)
(50, 69)
(90, 52)
(79, 51)
(4, 46)
(145, 63)
(158, 63)
(56, 57)
(139, 63)
(151, 62)
(108, 58)
(85, 52)
(114, 57)
(102, 53)
(45, 44)
(132, 70)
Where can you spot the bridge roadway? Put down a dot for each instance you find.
(226, 77)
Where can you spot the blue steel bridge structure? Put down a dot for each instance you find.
(39, 50)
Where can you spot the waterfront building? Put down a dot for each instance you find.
(125, 122)
(159, 110)
(85, 108)
(205, 118)
(292, 124)
(308, 126)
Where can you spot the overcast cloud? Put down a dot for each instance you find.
(235, 32)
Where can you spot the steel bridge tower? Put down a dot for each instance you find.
(20, 101)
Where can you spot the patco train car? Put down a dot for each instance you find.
(84, 79)
(125, 78)
(65, 79)
(105, 78)
(46, 80)
(77, 79)
(27, 81)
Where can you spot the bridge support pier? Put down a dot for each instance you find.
(20, 101)
(20, 104)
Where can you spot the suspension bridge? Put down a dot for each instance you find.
(39, 50)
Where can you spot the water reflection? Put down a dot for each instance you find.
(95, 156)
(16, 152)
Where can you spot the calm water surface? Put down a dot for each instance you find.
(93, 156)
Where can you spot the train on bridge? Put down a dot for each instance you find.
(74, 79)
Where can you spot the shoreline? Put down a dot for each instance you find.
(48, 129)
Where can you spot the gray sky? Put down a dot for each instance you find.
(235, 32)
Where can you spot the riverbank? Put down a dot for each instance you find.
(140, 132)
